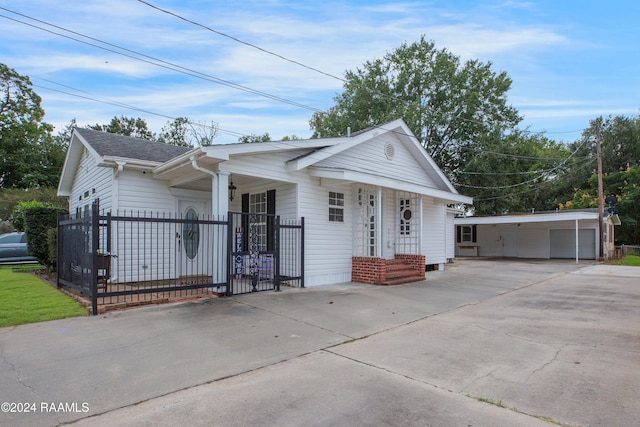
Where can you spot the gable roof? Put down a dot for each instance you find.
(108, 144)
(173, 162)
(112, 149)
(400, 130)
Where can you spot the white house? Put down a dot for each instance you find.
(366, 199)
(572, 234)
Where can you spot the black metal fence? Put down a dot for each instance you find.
(132, 258)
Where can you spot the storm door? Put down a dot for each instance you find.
(190, 238)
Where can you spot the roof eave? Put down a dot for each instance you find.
(353, 176)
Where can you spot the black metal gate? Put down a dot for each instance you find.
(136, 258)
(265, 253)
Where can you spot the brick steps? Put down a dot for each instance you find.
(398, 271)
(404, 268)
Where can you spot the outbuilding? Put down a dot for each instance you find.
(559, 234)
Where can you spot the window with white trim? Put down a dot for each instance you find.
(336, 206)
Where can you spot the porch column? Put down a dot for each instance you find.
(220, 194)
(379, 223)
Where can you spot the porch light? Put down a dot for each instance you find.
(232, 191)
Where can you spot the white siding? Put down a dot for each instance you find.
(328, 244)
(370, 157)
(138, 191)
(450, 236)
(91, 182)
(434, 234)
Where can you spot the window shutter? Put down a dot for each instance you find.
(271, 212)
(459, 234)
(245, 221)
(473, 232)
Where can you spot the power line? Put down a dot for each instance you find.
(158, 62)
(241, 41)
(126, 106)
(188, 71)
(541, 175)
(395, 98)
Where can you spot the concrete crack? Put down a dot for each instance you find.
(18, 375)
(540, 369)
(475, 380)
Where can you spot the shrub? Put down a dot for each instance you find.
(52, 244)
(17, 217)
(38, 221)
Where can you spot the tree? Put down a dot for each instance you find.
(447, 104)
(245, 139)
(186, 133)
(30, 158)
(511, 173)
(620, 142)
(625, 185)
(129, 126)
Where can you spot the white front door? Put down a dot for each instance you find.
(191, 238)
(510, 243)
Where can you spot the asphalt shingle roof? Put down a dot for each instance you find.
(111, 144)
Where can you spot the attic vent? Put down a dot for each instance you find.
(389, 151)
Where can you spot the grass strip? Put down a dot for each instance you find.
(24, 298)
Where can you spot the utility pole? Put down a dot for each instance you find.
(600, 196)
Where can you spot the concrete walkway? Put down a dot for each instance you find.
(486, 342)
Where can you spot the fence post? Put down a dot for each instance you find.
(59, 246)
(302, 252)
(95, 242)
(230, 260)
(276, 255)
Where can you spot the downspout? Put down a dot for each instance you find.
(214, 181)
(199, 168)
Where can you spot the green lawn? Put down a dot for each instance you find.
(25, 298)
(631, 260)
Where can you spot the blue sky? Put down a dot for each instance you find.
(570, 61)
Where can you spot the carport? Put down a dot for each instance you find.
(559, 234)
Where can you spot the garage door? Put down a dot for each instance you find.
(563, 244)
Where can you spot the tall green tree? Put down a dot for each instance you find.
(29, 157)
(449, 105)
(510, 173)
(620, 142)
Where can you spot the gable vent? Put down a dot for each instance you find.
(389, 151)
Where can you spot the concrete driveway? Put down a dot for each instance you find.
(486, 342)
